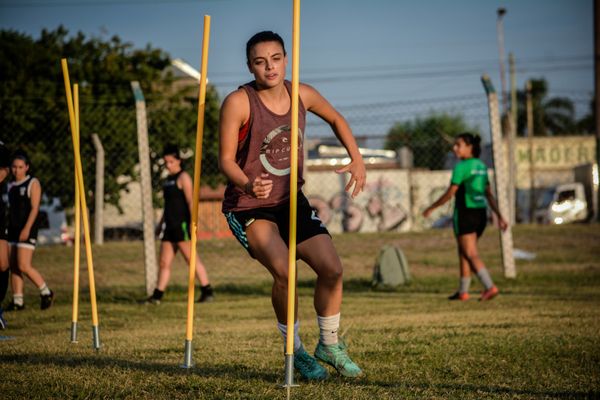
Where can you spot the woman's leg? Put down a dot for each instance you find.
(167, 254)
(468, 245)
(320, 254)
(270, 250)
(24, 259)
(201, 274)
(4, 269)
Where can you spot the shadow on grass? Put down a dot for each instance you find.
(228, 371)
(207, 370)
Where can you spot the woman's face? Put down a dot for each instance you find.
(462, 149)
(19, 169)
(267, 63)
(172, 164)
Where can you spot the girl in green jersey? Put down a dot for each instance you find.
(471, 187)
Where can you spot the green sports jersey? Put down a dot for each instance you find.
(471, 177)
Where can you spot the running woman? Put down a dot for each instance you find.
(254, 155)
(174, 227)
(24, 196)
(4, 265)
(470, 185)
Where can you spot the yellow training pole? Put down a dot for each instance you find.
(86, 226)
(77, 238)
(291, 303)
(187, 359)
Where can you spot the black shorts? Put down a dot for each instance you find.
(29, 243)
(308, 225)
(470, 220)
(175, 234)
(3, 231)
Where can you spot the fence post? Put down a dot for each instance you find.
(99, 192)
(506, 239)
(146, 189)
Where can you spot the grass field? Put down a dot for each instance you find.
(539, 339)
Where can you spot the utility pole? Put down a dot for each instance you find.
(512, 132)
(506, 133)
(597, 88)
(529, 107)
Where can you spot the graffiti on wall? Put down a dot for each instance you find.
(381, 207)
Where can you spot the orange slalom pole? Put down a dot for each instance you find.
(86, 226)
(77, 238)
(189, 332)
(294, 133)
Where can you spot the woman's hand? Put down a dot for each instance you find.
(358, 176)
(260, 188)
(24, 235)
(503, 224)
(427, 212)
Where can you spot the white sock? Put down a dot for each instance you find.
(18, 299)
(283, 329)
(465, 282)
(328, 327)
(44, 291)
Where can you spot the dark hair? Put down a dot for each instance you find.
(171, 150)
(473, 140)
(264, 36)
(20, 155)
(4, 156)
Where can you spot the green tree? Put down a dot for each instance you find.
(34, 117)
(587, 124)
(551, 116)
(429, 138)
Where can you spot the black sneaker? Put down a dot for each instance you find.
(14, 307)
(206, 295)
(46, 300)
(150, 300)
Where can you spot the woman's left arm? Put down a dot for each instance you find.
(494, 206)
(318, 105)
(185, 183)
(35, 197)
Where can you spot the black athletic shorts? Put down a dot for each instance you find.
(3, 230)
(30, 243)
(308, 225)
(175, 234)
(470, 220)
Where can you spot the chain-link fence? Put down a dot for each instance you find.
(407, 147)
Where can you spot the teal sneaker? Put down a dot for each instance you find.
(337, 356)
(308, 366)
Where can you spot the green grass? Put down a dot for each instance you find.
(538, 339)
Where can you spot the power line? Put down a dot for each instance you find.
(94, 3)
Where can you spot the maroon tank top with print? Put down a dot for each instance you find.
(266, 149)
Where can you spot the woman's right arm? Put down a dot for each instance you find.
(450, 192)
(235, 111)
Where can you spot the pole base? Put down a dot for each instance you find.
(95, 337)
(187, 355)
(73, 332)
(289, 372)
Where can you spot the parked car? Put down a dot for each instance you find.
(52, 221)
(567, 204)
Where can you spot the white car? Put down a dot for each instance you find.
(52, 228)
(568, 205)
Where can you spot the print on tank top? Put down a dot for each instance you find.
(276, 149)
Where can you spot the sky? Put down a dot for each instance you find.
(358, 54)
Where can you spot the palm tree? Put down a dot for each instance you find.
(551, 116)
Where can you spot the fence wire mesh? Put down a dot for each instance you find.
(407, 147)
